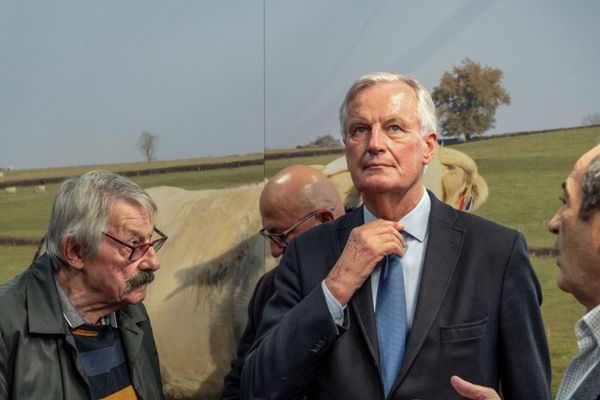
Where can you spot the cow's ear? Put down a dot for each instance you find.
(325, 216)
(72, 252)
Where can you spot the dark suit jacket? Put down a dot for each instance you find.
(38, 355)
(477, 316)
(265, 287)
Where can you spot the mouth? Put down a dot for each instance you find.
(375, 165)
(556, 255)
(140, 279)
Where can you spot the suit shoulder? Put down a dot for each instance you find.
(486, 235)
(476, 223)
(325, 230)
(474, 226)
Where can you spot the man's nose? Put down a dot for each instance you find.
(376, 140)
(554, 224)
(276, 250)
(150, 260)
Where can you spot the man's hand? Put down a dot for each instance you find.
(472, 391)
(366, 246)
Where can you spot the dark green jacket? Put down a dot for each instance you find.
(38, 358)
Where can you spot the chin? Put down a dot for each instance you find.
(562, 283)
(373, 184)
(137, 295)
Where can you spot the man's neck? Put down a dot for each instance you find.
(86, 301)
(393, 206)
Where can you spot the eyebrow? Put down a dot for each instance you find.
(357, 120)
(136, 234)
(398, 120)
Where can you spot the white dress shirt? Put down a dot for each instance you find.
(416, 232)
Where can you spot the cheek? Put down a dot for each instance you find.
(128, 271)
(351, 155)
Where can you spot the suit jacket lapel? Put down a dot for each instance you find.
(361, 303)
(443, 249)
(362, 306)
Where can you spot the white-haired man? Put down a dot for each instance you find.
(390, 300)
(72, 326)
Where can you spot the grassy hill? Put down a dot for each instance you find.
(524, 174)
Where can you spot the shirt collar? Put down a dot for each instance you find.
(415, 222)
(74, 320)
(591, 320)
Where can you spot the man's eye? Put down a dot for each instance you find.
(395, 128)
(359, 130)
(138, 241)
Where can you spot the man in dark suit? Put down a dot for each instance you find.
(337, 327)
(577, 226)
(294, 200)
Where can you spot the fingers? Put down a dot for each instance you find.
(472, 391)
(366, 246)
(378, 238)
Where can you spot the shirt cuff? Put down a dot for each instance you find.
(335, 308)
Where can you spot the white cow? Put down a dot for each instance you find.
(40, 189)
(11, 189)
(213, 258)
(209, 267)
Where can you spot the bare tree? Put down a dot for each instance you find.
(591, 119)
(147, 144)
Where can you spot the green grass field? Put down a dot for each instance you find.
(524, 175)
(560, 312)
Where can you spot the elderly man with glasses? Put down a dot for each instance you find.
(294, 200)
(72, 326)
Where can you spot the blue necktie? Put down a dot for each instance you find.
(390, 317)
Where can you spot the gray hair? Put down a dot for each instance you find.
(590, 188)
(425, 106)
(82, 206)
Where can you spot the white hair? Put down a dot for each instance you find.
(82, 206)
(425, 106)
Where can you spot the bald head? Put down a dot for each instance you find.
(293, 193)
(299, 189)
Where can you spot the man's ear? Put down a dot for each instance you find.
(325, 216)
(430, 143)
(72, 252)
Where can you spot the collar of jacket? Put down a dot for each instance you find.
(44, 310)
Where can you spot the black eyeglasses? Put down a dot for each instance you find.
(280, 239)
(138, 251)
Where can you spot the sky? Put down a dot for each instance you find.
(81, 80)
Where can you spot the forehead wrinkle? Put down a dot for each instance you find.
(132, 225)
